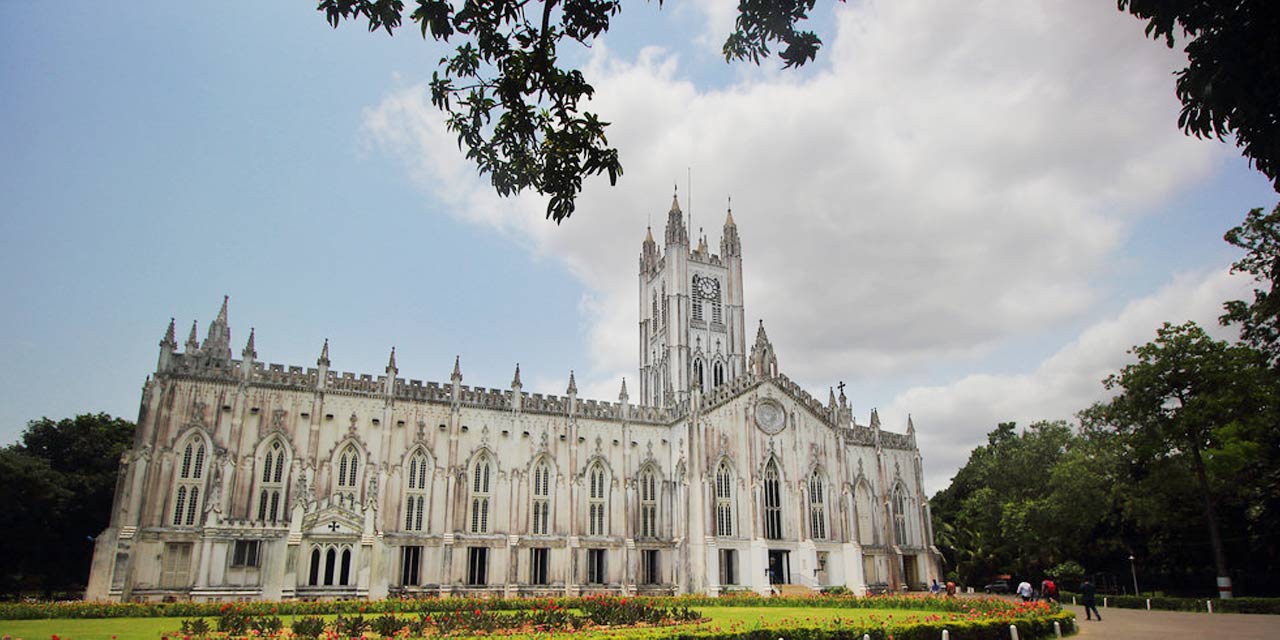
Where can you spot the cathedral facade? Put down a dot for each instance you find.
(249, 480)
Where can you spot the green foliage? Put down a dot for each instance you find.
(1259, 321)
(387, 624)
(515, 109)
(350, 626)
(59, 484)
(234, 620)
(1069, 572)
(1229, 84)
(198, 627)
(308, 626)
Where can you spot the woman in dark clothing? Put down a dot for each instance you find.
(1088, 598)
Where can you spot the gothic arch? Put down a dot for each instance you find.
(193, 462)
(273, 458)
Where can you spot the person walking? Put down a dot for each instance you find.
(951, 589)
(1088, 597)
(935, 587)
(1024, 590)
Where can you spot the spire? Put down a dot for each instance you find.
(515, 382)
(323, 361)
(192, 345)
(217, 341)
(730, 245)
(762, 338)
(573, 385)
(622, 396)
(831, 404)
(648, 235)
(391, 362)
(169, 340)
(675, 198)
(457, 368)
(875, 419)
(676, 232)
(250, 352)
(911, 427)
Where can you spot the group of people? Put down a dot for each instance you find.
(1048, 591)
(936, 588)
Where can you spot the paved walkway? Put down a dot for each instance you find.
(1140, 624)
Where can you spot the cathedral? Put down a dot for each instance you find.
(249, 480)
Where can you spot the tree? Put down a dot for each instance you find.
(57, 484)
(1260, 320)
(1231, 84)
(516, 109)
(1186, 395)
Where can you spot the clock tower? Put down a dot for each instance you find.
(692, 333)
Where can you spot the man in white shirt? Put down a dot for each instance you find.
(1024, 590)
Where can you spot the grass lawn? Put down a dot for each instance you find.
(154, 628)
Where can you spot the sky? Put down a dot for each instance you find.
(966, 211)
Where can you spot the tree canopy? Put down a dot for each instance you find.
(516, 108)
(1259, 320)
(57, 484)
(1231, 84)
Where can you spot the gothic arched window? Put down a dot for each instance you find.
(718, 374)
(648, 503)
(271, 483)
(900, 515)
(480, 494)
(596, 523)
(348, 466)
(772, 502)
(415, 501)
(541, 498)
(817, 507)
(724, 500)
(190, 480)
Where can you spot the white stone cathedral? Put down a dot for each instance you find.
(261, 481)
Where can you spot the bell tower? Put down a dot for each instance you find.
(691, 312)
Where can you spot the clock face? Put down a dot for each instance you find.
(769, 416)
(708, 288)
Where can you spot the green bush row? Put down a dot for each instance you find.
(989, 629)
(1166, 603)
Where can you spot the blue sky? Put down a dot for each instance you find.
(964, 210)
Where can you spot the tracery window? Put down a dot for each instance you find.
(772, 502)
(190, 479)
(648, 504)
(541, 498)
(899, 515)
(330, 565)
(718, 375)
(817, 507)
(271, 484)
(697, 374)
(416, 492)
(348, 466)
(480, 495)
(724, 500)
(595, 500)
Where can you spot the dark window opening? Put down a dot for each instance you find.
(245, 553)
(652, 570)
(538, 562)
(410, 561)
(595, 566)
(477, 566)
(728, 566)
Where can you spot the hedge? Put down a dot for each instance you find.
(1166, 603)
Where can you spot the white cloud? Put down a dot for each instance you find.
(953, 418)
(950, 177)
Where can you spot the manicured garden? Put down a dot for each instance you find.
(587, 618)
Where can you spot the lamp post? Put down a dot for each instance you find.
(1133, 568)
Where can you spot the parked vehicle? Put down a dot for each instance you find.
(999, 586)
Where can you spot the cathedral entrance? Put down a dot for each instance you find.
(779, 567)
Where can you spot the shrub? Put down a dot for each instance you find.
(1065, 573)
(386, 625)
(308, 626)
(266, 625)
(233, 620)
(350, 626)
(198, 627)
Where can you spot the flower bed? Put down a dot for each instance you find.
(615, 618)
